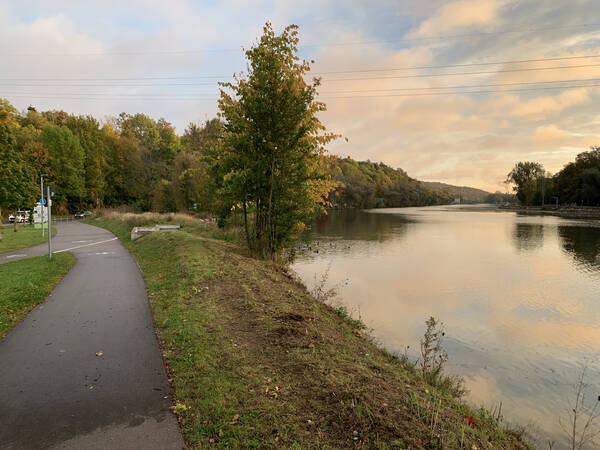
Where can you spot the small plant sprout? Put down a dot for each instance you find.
(433, 356)
(582, 428)
(320, 290)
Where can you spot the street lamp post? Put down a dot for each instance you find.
(49, 222)
(42, 201)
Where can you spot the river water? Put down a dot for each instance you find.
(519, 297)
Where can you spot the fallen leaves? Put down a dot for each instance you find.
(470, 421)
(179, 408)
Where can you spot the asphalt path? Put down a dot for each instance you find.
(84, 370)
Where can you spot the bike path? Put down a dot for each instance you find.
(84, 369)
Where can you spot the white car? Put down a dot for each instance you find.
(21, 217)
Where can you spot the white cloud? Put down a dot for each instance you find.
(462, 14)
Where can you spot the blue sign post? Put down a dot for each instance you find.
(43, 201)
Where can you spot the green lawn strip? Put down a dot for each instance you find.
(26, 283)
(26, 236)
(255, 361)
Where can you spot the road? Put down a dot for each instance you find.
(84, 370)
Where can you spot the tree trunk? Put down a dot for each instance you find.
(270, 213)
(246, 225)
(15, 223)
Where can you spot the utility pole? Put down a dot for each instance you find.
(49, 222)
(42, 201)
(543, 183)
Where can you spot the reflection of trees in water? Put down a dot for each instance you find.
(583, 244)
(528, 236)
(358, 225)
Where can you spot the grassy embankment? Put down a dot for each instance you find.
(27, 236)
(256, 361)
(26, 283)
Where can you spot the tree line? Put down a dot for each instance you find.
(130, 160)
(577, 183)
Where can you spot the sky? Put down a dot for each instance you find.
(466, 123)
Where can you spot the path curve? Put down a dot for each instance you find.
(56, 389)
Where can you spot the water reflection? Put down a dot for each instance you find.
(528, 236)
(519, 323)
(357, 224)
(583, 244)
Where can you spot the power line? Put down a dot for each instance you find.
(445, 66)
(463, 86)
(455, 36)
(142, 98)
(528, 69)
(313, 45)
(427, 88)
(108, 85)
(93, 94)
(58, 97)
(418, 94)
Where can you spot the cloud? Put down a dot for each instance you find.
(548, 135)
(462, 14)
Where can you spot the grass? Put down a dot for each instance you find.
(27, 236)
(26, 283)
(255, 361)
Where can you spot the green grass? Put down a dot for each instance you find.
(256, 362)
(26, 283)
(27, 236)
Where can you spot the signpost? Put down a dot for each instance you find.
(42, 201)
(49, 193)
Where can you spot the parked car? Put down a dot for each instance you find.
(21, 217)
(83, 215)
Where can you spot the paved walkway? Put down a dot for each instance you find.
(83, 370)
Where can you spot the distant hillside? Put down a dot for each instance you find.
(366, 184)
(467, 194)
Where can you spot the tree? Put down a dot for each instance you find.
(158, 145)
(268, 163)
(87, 130)
(578, 181)
(524, 176)
(14, 176)
(590, 186)
(197, 139)
(66, 159)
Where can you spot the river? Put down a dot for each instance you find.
(519, 297)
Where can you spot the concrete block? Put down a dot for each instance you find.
(138, 232)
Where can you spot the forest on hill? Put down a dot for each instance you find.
(141, 162)
(465, 193)
(366, 184)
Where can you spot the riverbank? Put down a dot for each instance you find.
(256, 361)
(568, 212)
